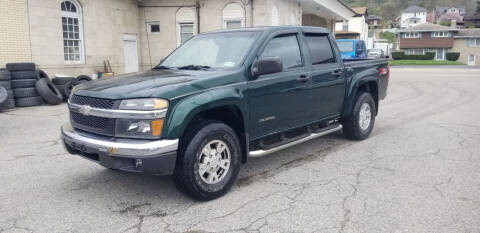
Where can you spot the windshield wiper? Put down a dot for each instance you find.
(193, 67)
(161, 68)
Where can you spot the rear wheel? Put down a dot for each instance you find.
(359, 124)
(208, 161)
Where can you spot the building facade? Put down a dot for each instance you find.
(354, 28)
(76, 36)
(427, 38)
(413, 16)
(467, 43)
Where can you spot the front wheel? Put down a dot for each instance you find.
(208, 161)
(359, 124)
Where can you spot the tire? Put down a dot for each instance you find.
(61, 88)
(6, 84)
(62, 80)
(68, 88)
(188, 167)
(28, 102)
(83, 79)
(9, 104)
(25, 66)
(48, 91)
(25, 92)
(3, 95)
(4, 75)
(352, 126)
(23, 83)
(17, 75)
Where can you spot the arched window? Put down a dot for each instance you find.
(72, 32)
(233, 16)
(186, 24)
(275, 17)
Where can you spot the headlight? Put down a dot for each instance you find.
(148, 129)
(144, 104)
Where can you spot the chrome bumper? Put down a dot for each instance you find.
(121, 147)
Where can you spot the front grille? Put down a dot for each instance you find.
(93, 102)
(93, 124)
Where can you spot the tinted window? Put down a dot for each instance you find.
(285, 47)
(320, 49)
(345, 46)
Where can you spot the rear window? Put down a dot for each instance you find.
(320, 49)
(345, 46)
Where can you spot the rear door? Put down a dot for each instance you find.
(328, 78)
(280, 101)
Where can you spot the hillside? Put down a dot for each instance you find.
(389, 9)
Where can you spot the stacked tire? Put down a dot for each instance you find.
(6, 94)
(66, 84)
(24, 76)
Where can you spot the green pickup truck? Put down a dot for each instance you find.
(221, 98)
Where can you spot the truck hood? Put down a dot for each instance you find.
(167, 84)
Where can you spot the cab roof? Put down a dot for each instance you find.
(272, 29)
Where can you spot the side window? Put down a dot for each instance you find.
(320, 49)
(285, 47)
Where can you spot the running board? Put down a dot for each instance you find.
(260, 153)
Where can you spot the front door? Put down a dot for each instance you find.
(130, 53)
(280, 101)
(471, 60)
(440, 54)
(328, 83)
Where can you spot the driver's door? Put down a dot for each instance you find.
(281, 100)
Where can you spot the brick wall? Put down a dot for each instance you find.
(14, 28)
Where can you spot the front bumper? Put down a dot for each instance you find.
(133, 155)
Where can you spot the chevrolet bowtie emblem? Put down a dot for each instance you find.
(85, 110)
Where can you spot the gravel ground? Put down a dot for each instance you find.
(418, 172)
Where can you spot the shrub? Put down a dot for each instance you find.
(403, 56)
(453, 56)
(398, 55)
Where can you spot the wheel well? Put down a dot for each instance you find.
(231, 116)
(372, 88)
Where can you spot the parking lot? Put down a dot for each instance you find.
(418, 172)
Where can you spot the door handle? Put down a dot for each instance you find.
(337, 72)
(303, 78)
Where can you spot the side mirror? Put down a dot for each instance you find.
(267, 65)
(359, 51)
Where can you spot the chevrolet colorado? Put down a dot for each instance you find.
(221, 98)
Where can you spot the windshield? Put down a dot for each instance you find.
(219, 50)
(345, 46)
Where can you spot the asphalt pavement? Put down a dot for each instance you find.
(418, 172)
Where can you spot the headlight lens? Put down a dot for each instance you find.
(148, 129)
(144, 104)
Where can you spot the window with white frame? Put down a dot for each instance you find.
(474, 42)
(186, 24)
(440, 34)
(233, 16)
(153, 27)
(72, 32)
(412, 35)
(186, 31)
(415, 51)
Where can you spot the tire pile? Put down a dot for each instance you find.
(22, 85)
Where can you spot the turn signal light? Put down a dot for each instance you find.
(157, 126)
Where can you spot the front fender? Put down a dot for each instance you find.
(186, 108)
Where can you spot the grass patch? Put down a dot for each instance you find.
(423, 62)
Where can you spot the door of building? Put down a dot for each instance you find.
(130, 53)
(440, 54)
(471, 60)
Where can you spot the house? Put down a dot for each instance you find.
(412, 16)
(374, 22)
(75, 36)
(472, 21)
(467, 43)
(354, 28)
(427, 37)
